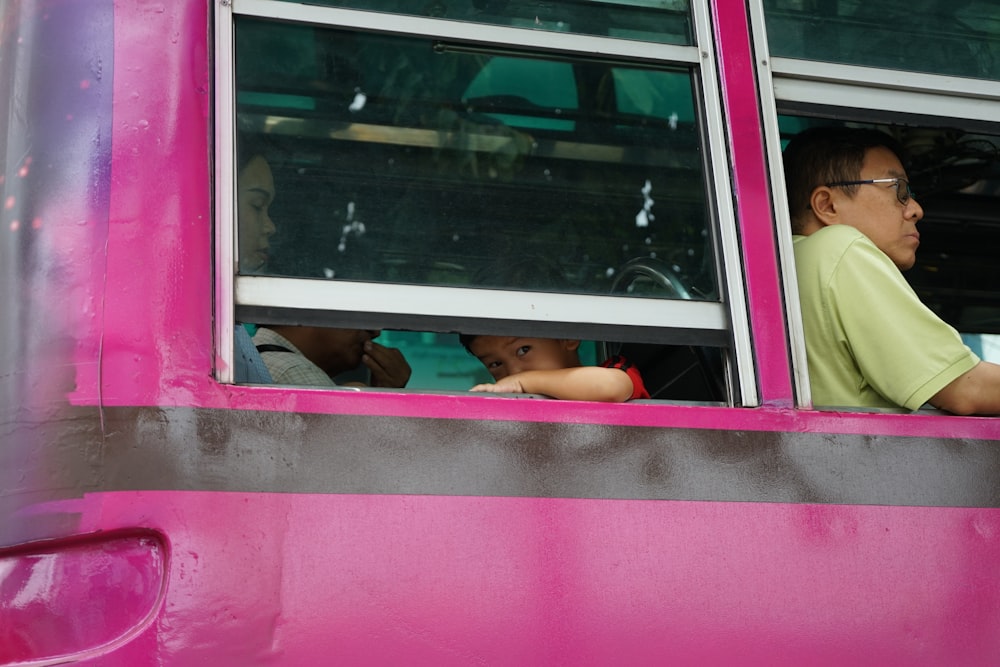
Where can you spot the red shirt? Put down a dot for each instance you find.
(638, 388)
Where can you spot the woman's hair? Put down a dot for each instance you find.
(248, 146)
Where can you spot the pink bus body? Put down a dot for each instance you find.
(150, 514)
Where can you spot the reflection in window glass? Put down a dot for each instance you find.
(538, 83)
(662, 21)
(960, 38)
(402, 160)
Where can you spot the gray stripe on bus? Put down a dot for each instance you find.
(249, 451)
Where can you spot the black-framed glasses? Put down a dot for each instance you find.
(903, 190)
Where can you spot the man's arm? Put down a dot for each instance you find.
(582, 383)
(976, 392)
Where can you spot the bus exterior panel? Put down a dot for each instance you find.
(238, 525)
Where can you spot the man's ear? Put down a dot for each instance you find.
(824, 206)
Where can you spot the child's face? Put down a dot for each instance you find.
(506, 355)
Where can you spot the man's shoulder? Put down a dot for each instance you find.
(830, 239)
(830, 247)
(265, 336)
(286, 363)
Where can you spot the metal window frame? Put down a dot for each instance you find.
(715, 323)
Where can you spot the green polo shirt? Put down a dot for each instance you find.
(870, 341)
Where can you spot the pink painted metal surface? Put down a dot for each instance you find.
(303, 578)
(79, 597)
(299, 579)
(150, 341)
(750, 182)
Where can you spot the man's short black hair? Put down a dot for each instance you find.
(828, 154)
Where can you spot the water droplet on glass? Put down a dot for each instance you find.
(358, 103)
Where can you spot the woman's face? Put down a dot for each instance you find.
(254, 194)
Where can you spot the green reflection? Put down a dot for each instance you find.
(396, 160)
(663, 21)
(960, 37)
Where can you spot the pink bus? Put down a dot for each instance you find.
(602, 170)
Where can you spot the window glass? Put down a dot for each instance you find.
(955, 175)
(664, 21)
(403, 160)
(960, 38)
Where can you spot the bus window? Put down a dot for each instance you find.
(439, 361)
(430, 185)
(456, 164)
(955, 38)
(928, 76)
(956, 177)
(665, 21)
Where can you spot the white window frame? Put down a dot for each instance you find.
(830, 87)
(712, 321)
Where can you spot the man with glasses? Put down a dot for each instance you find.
(870, 341)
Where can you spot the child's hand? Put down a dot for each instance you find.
(579, 383)
(508, 385)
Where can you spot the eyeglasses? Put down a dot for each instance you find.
(903, 191)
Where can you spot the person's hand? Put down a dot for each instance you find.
(508, 385)
(387, 365)
(577, 383)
